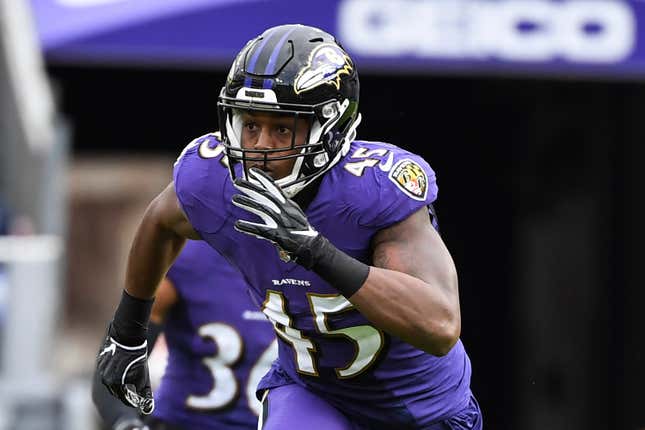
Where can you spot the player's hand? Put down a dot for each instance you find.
(285, 224)
(124, 371)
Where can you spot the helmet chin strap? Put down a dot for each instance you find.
(291, 190)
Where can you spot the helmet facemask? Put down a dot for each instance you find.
(331, 129)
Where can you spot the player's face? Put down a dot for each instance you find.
(262, 131)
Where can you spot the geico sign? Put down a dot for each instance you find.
(602, 31)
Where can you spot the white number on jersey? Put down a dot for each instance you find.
(225, 385)
(205, 151)
(366, 157)
(260, 368)
(229, 350)
(275, 308)
(367, 339)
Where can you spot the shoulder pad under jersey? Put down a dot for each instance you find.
(384, 184)
(200, 175)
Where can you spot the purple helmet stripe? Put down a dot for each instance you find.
(254, 59)
(270, 68)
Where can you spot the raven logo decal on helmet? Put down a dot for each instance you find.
(327, 63)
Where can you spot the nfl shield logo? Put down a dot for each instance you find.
(284, 255)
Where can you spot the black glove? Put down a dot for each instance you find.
(124, 371)
(285, 224)
(130, 424)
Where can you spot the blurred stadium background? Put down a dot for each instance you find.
(530, 111)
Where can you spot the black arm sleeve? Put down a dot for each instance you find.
(109, 407)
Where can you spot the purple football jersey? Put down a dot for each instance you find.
(324, 343)
(219, 346)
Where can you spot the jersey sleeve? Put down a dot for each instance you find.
(199, 177)
(392, 190)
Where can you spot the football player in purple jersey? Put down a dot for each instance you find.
(335, 238)
(219, 347)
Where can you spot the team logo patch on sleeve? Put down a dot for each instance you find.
(410, 178)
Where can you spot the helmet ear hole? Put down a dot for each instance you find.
(331, 141)
(319, 160)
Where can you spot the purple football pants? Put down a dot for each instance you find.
(294, 407)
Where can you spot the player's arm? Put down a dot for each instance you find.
(162, 233)
(114, 413)
(410, 292)
(121, 362)
(411, 289)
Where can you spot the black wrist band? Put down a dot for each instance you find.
(343, 272)
(130, 322)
